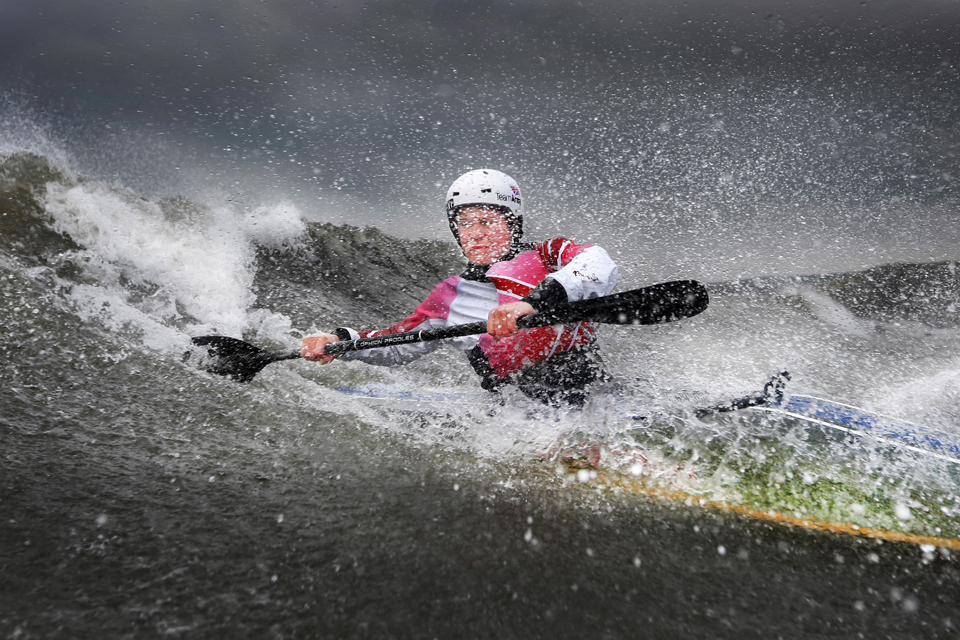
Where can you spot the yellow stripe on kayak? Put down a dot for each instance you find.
(812, 524)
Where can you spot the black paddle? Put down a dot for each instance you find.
(651, 305)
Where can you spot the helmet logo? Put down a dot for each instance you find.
(515, 197)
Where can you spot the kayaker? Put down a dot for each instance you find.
(504, 280)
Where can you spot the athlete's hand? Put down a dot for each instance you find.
(312, 347)
(502, 320)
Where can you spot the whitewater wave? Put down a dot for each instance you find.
(199, 259)
(137, 275)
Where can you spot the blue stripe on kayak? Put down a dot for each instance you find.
(370, 393)
(406, 395)
(870, 422)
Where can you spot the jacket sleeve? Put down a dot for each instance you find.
(431, 313)
(579, 272)
(393, 355)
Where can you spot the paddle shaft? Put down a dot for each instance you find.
(655, 304)
(424, 335)
(651, 305)
(377, 342)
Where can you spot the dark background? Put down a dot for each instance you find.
(364, 112)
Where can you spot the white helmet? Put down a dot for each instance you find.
(486, 187)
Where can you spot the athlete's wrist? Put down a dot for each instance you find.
(547, 294)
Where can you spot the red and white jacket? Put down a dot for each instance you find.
(584, 271)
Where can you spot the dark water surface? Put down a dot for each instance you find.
(106, 534)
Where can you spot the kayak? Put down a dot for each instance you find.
(404, 398)
(824, 413)
(858, 422)
(793, 459)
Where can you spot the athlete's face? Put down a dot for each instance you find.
(484, 234)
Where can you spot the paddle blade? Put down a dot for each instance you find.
(665, 302)
(235, 358)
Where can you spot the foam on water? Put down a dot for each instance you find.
(151, 273)
(21, 132)
(931, 399)
(201, 257)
